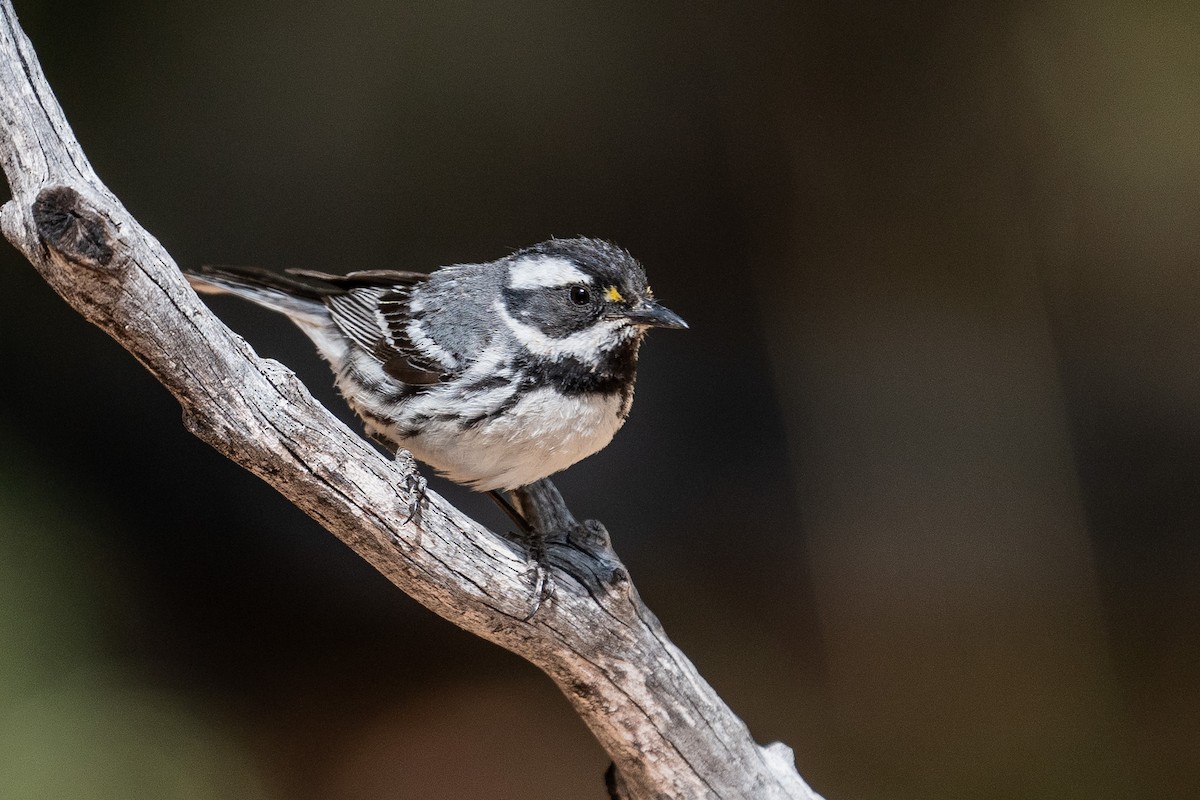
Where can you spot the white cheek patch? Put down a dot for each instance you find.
(587, 345)
(540, 272)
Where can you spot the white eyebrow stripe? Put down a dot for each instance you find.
(541, 272)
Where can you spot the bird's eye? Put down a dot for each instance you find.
(580, 295)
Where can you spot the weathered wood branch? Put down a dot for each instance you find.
(669, 734)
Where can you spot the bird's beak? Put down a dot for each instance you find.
(652, 315)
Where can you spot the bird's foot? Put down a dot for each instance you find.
(414, 484)
(535, 544)
(543, 584)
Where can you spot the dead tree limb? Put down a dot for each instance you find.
(669, 734)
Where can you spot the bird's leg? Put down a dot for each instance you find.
(535, 540)
(509, 509)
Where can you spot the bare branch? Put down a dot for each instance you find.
(668, 733)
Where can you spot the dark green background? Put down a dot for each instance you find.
(918, 491)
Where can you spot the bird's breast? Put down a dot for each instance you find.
(539, 433)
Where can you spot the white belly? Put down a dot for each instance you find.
(545, 432)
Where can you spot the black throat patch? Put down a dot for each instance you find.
(614, 374)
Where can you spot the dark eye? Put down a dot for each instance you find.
(580, 295)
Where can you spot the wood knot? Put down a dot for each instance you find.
(68, 224)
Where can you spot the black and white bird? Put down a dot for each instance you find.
(496, 374)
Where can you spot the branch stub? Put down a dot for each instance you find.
(69, 225)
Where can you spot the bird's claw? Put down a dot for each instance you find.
(543, 587)
(414, 484)
(543, 584)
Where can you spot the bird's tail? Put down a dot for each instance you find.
(291, 297)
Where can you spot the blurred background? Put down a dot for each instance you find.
(918, 492)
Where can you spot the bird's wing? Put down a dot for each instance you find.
(376, 318)
(369, 306)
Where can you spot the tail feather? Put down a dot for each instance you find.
(302, 301)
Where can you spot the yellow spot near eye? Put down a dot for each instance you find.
(612, 295)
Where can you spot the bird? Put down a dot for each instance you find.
(495, 374)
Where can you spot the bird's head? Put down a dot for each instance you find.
(580, 298)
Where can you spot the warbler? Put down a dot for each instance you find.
(495, 374)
